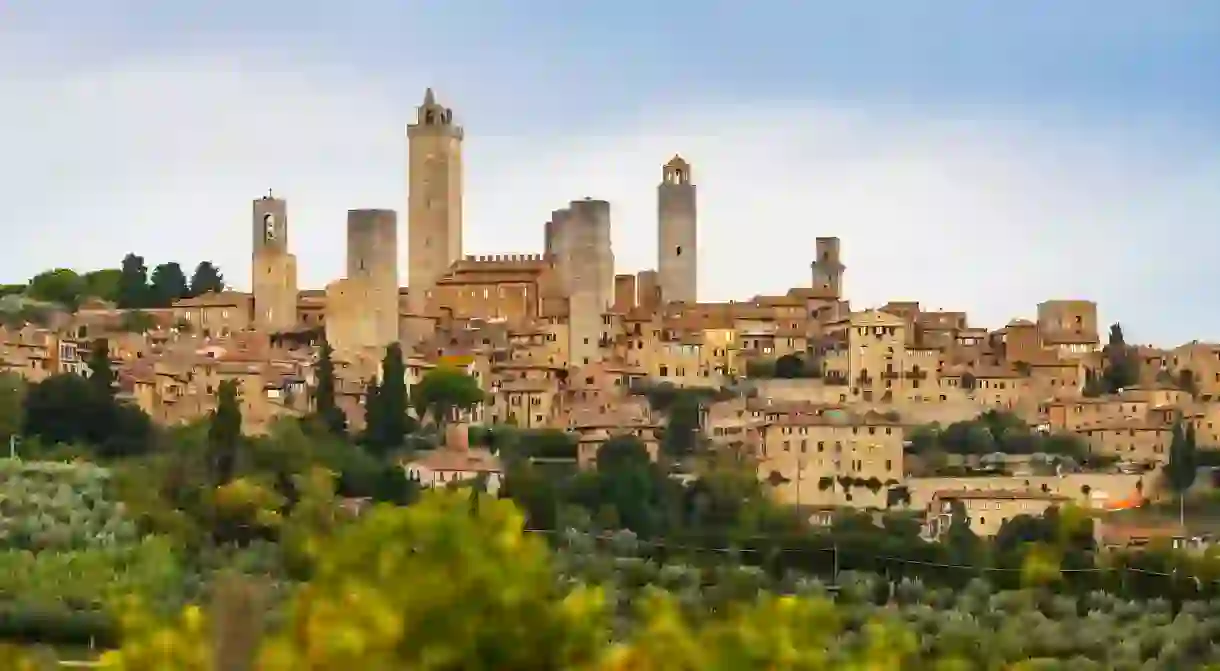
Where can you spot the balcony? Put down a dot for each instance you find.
(891, 375)
(917, 375)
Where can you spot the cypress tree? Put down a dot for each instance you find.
(325, 407)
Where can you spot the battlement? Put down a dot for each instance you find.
(517, 259)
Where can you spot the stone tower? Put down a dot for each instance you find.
(588, 263)
(828, 268)
(362, 308)
(434, 198)
(273, 269)
(677, 233)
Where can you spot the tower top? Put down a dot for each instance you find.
(676, 171)
(432, 114)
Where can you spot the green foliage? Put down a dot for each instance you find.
(443, 392)
(61, 285)
(994, 431)
(101, 370)
(69, 409)
(1182, 467)
(49, 505)
(103, 283)
(167, 284)
(206, 278)
(12, 406)
(224, 434)
(1121, 363)
(325, 407)
(787, 367)
(386, 422)
(132, 289)
(683, 419)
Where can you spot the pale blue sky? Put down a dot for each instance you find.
(972, 155)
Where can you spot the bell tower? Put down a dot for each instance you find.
(434, 198)
(273, 268)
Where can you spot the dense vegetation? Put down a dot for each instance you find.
(199, 548)
(132, 285)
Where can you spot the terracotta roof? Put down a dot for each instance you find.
(475, 460)
(1003, 494)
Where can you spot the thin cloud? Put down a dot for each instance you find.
(989, 211)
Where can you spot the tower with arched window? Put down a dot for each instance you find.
(434, 198)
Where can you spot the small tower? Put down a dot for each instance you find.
(434, 198)
(273, 269)
(677, 233)
(827, 268)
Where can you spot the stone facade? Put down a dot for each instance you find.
(434, 199)
(273, 269)
(677, 233)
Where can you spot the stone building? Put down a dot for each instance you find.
(434, 199)
(362, 310)
(677, 233)
(273, 269)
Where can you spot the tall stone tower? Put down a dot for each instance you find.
(362, 308)
(677, 233)
(273, 269)
(828, 268)
(434, 198)
(588, 263)
(372, 257)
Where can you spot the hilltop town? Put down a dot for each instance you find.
(875, 407)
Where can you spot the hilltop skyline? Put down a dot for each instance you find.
(974, 160)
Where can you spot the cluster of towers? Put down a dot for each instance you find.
(577, 239)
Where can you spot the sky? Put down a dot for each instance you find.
(978, 156)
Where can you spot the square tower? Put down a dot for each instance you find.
(827, 268)
(434, 198)
(273, 269)
(677, 233)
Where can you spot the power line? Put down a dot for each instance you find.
(835, 550)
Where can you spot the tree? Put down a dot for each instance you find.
(224, 434)
(101, 369)
(167, 284)
(1122, 368)
(206, 278)
(924, 438)
(12, 406)
(325, 407)
(132, 289)
(69, 409)
(1093, 385)
(683, 419)
(61, 286)
(1180, 471)
(386, 420)
(444, 391)
(789, 366)
(103, 284)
